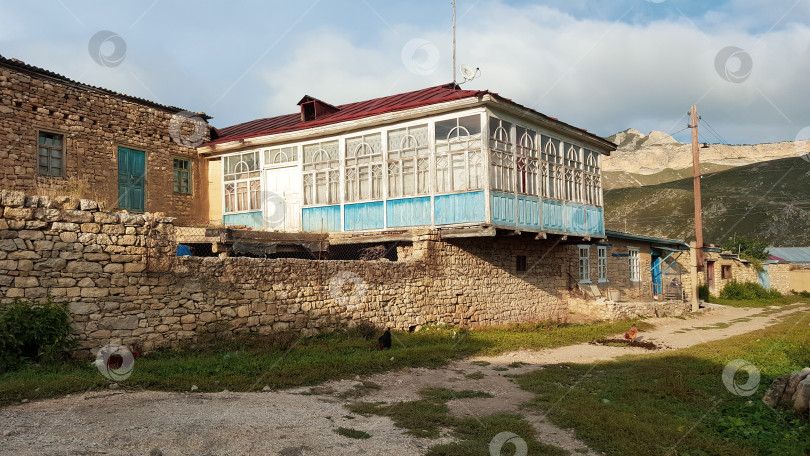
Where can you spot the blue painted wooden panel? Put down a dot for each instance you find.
(574, 218)
(251, 219)
(409, 212)
(503, 209)
(528, 212)
(363, 216)
(325, 218)
(553, 215)
(595, 220)
(460, 208)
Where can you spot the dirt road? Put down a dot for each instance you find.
(290, 423)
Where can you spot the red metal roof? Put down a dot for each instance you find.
(358, 110)
(350, 111)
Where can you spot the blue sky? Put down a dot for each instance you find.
(603, 66)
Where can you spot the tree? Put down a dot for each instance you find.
(752, 249)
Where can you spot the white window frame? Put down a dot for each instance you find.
(362, 168)
(634, 264)
(252, 184)
(584, 263)
(502, 155)
(465, 151)
(601, 263)
(326, 170)
(408, 154)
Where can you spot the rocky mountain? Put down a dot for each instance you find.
(657, 152)
(760, 190)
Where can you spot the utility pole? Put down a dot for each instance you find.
(454, 42)
(696, 173)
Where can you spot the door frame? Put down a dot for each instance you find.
(710, 279)
(296, 171)
(146, 154)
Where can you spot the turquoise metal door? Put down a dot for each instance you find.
(764, 278)
(131, 174)
(656, 275)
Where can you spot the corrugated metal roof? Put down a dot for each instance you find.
(641, 237)
(23, 67)
(790, 254)
(352, 111)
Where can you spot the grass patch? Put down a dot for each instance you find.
(783, 300)
(361, 389)
(429, 416)
(517, 364)
(250, 362)
(675, 403)
(475, 376)
(352, 433)
(482, 363)
(500, 369)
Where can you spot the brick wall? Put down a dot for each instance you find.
(94, 123)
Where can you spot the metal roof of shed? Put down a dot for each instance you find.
(790, 254)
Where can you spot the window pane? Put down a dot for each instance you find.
(471, 123)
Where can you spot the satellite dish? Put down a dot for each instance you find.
(468, 73)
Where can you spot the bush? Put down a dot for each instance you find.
(703, 292)
(33, 332)
(746, 291)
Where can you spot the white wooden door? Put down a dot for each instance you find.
(282, 199)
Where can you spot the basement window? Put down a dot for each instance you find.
(520, 263)
(725, 271)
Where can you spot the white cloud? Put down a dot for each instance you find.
(598, 75)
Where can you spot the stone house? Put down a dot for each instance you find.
(721, 268)
(59, 136)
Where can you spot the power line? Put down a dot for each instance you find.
(713, 131)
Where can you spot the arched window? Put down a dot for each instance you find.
(458, 154)
(408, 162)
(502, 155)
(363, 168)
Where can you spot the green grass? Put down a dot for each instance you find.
(765, 302)
(251, 362)
(675, 403)
(352, 433)
(475, 376)
(430, 417)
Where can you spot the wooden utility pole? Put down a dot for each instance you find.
(454, 42)
(696, 172)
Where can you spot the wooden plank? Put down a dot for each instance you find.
(468, 232)
(404, 236)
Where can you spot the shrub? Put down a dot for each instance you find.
(33, 332)
(703, 292)
(746, 291)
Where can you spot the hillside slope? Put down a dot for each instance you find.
(769, 200)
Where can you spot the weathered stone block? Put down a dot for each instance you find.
(105, 217)
(18, 213)
(62, 226)
(243, 311)
(23, 255)
(125, 322)
(26, 282)
(30, 235)
(83, 267)
(90, 227)
(96, 256)
(13, 199)
(88, 205)
(8, 265)
(131, 268)
(82, 308)
(36, 292)
(206, 317)
(43, 245)
(114, 268)
(75, 216)
(8, 245)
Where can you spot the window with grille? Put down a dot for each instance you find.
(363, 168)
(526, 162)
(459, 155)
(321, 173)
(601, 258)
(585, 263)
(551, 168)
(281, 155)
(502, 155)
(635, 273)
(242, 185)
(51, 154)
(408, 162)
(182, 175)
(573, 173)
(593, 180)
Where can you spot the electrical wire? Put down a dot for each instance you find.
(723, 140)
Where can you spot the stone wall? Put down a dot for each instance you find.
(94, 123)
(124, 284)
(744, 272)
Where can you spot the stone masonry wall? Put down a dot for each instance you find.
(94, 123)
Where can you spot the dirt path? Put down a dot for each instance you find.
(290, 423)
